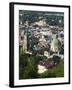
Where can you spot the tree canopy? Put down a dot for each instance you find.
(52, 18)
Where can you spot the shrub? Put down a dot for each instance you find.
(29, 67)
(56, 59)
(57, 71)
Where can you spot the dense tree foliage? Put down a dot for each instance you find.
(28, 67)
(57, 71)
(52, 18)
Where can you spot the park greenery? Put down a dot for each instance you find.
(28, 67)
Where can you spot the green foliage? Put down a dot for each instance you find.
(30, 69)
(27, 67)
(22, 64)
(56, 58)
(57, 71)
(21, 50)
